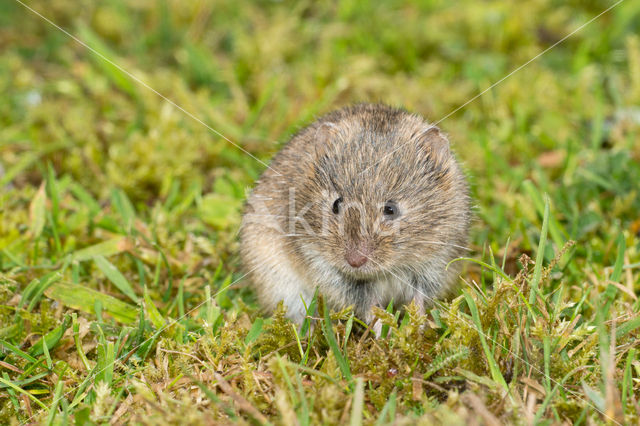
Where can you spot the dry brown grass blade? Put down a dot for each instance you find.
(612, 398)
(11, 367)
(481, 409)
(122, 409)
(239, 400)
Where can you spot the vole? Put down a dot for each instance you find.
(367, 205)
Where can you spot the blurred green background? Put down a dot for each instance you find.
(257, 71)
(121, 165)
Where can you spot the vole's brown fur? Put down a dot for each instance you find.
(295, 240)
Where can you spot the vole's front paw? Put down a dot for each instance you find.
(376, 328)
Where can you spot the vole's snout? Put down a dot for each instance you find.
(355, 259)
(357, 255)
(358, 245)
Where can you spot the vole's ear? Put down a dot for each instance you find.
(326, 131)
(434, 142)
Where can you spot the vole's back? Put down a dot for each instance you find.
(367, 204)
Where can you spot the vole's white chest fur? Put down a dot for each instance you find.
(398, 289)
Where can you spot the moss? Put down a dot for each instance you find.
(279, 336)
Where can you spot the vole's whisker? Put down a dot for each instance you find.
(442, 243)
(396, 276)
(264, 215)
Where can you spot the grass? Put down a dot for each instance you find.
(121, 294)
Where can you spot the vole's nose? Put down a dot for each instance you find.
(356, 257)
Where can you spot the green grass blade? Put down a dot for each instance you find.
(627, 327)
(22, 391)
(550, 395)
(304, 414)
(547, 362)
(310, 311)
(611, 290)
(11, 393)
(50, 340)
(84, 299)
(85, 198)
(150, 308)
(76, 339)
(537, 271)
(47, 357)
(327, 328)
(106, 248)
(45, 282)
(388, 411)
(627, 378)
(37, 212)
(106, 360)
(124, 207)
(214, 398)
(357, 403)
(555, 230)
(347, 332)
(57, 396)
(115, 277)
(298, 342)
(16, 351)
(617, 267)
(254, 331)
(484, 264)
(117, 77)
(496, 374)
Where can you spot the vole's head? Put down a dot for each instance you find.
(384, 193)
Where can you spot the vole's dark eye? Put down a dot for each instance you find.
(390, 210)
(336, 205)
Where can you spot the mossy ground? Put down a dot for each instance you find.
(119, 212)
